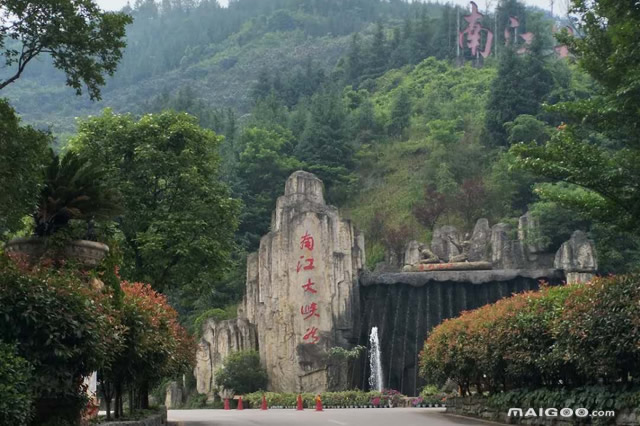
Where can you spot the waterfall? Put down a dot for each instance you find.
(375, 379)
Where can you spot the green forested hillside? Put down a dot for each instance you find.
(216, 52)
(370, 95)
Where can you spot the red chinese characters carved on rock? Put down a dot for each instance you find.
(308, 287)
(312, 334)
(307, 267)
(310, 310)
(306, 241)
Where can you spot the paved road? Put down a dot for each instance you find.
(335, 417)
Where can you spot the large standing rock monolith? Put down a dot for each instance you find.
(302, 286)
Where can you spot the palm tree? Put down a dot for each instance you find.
(73, 189)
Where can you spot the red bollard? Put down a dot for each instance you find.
(300, 407)
(318, 403)
(264, 403)
(240, 404)
(226, 404)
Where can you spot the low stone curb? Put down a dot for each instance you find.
(159, 419)
(335, 407)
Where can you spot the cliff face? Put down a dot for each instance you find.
(302, 286)
(219, 339)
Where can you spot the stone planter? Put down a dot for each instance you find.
(87, 253)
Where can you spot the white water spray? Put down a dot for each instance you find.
(375, 379)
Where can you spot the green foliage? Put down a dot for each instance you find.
(82, 40)
(400, 113)
(178, 219)
(16, 397)
(347, 398)
(597, 150)
(216, 314)
(601, 397)
(526, 128)
(73, 188)
(575, 335)
(241, 371)
(264, 163)
(323, 145)
(520, 86)
(343, 354)
(22, 160)
(63, 328)
(417, 179)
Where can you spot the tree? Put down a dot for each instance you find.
(598, 150)
(154, 346)
(82, 40)
(264, 164)
(431, 208)
(241, 371)
(179, 219)
(23, 157)
(354, 59)
(324, 146)
(400, 113)
(376, 55)
(74, 188)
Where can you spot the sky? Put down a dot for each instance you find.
(560, 7)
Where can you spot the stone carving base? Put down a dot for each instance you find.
(456, 266)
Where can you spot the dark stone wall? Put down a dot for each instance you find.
(406, 306)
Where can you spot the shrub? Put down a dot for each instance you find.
(16, 398)
(242, 372)
(572, 335)
(329, 399)
(62, 327)
(155, 346)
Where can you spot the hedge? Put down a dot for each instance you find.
(16, 398)
(573, 335)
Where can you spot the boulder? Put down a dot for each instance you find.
(506, 253)
(577, 257)
(480, 249)
(174, 395)
(529, 234)
(412, 253)
(441, 242)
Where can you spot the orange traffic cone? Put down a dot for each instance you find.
(300, 407)
(240, 404)
(226, 404)
(318, 403)
(264, 403)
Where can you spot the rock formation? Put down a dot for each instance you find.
(577, 257)
(304, 293)
(506, 251)
(480, 249)
(219, 339)
(174, 395)
(441, 242)
(301, 294)
(302, 286)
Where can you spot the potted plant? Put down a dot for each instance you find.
(74, 190)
